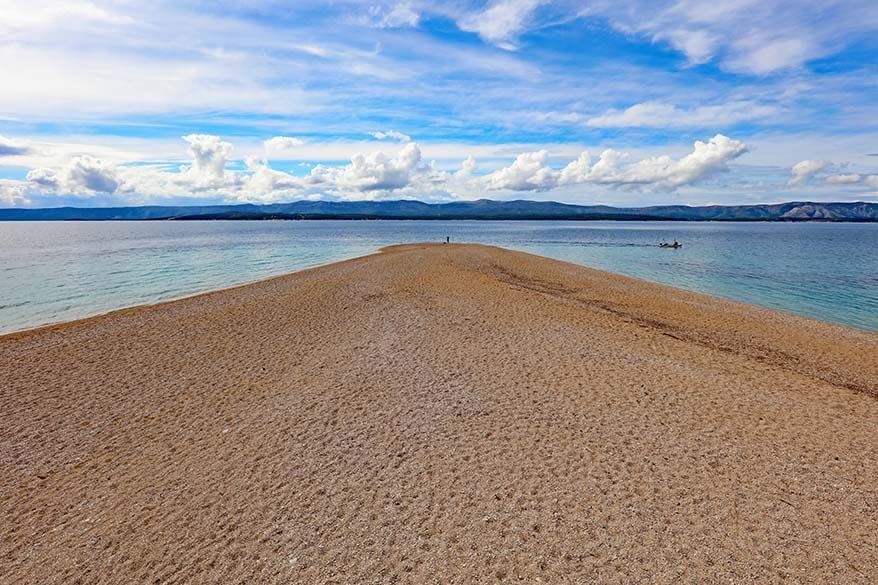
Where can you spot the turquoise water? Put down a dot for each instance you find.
(57, 271)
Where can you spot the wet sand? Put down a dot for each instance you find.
(440, 414)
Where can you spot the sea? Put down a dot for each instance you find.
(58, 271)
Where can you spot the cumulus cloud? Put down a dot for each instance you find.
(86, 174)
(44, 177)
(378, 171)
(365, 176)
(282, 144)
(872, 181)
(9, 147)
(502, 22)
(267, 184)
(467, 167)
(531, 171)
(210, 155)
(658, 115)
(706, 158)
(82, 175)
(391, 135)
(13, 193)
(368, 175)
(580, 170)
(803, 171)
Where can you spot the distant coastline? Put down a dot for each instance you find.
(483, 209)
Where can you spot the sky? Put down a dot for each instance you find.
(619, 102)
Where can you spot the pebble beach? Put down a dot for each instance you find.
(440, 414)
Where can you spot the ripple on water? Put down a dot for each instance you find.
(63, 270)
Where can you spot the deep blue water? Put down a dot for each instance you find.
(57, 271)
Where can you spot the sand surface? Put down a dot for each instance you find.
(440, 414)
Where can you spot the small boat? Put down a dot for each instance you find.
(675, 245)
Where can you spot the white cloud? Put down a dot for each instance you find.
(9, 147)
(86, 174)
(266, 184)
(282, 144)
(467, 167)
(843, 179)
(502, 22)
(378, 171)
(529, 172)
(44, 177)
(82, 175)
(698, 46)
(377, 174)
(804, 171)
(391, 135)
(398, 15)
(706, 158)
(17, 15)
(658, 115)
(13, 193)
(605, 170)
(751, 36)
(559, 117)
(807, 171)
(580, 170)
(763, 56)
(210, 154)
(79, 75)
(206, 174)
(367, 176)
(664, 171)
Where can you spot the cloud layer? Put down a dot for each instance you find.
(532, 172)
(9, 147)
(657, 115)
(820, 171)
(521, 86)
(751, 36)
(372, 175)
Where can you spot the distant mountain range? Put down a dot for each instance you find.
(481, 209)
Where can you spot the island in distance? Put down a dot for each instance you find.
(481, 209)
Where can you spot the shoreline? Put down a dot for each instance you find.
(136, 307)
(454, 413)
(382, 249)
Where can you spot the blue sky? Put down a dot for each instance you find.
(622, 103)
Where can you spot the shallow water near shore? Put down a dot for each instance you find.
(58, 271)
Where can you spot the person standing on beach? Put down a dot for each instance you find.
(447, 239)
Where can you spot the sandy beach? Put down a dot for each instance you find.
(440, 414)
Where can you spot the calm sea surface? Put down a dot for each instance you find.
(57, 271)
